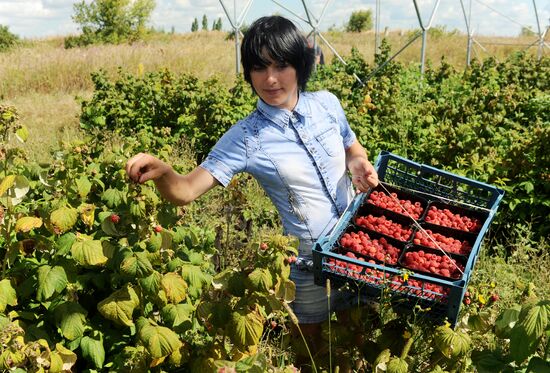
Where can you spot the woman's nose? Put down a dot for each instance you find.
(270, 74)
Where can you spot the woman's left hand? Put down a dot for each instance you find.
(363, 174)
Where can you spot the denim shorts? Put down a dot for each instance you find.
(311, 302)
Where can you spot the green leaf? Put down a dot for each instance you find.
(246, 328)
(158, 340)
(88, 252)
(538, 365)
(63, 219)
(64, 243)
(528, 186)
(534, 321)
(260, 280)
(136, 265)
(108, 227)
(71, 319)
(51, 280)
(152, 283)
(397, 365)
(83, 186)
(93, 350)
(119, 306)
(521, 346)
(113, 197)
(281, 266)
(178, 316)
(174, 286)
(8, 296)
(487, 361)
(505, 322)
(196, 278)
(27, 223)
(451, 343)
(285, 290)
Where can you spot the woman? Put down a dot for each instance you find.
(297, 144)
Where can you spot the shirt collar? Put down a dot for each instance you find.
(281, 117)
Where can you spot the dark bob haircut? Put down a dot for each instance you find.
(283, 43)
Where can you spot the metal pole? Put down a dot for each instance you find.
(539, 33)
(237, 51)
(467, 21)
(424, 33)
(377, 29)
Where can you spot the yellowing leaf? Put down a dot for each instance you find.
(158, 340)
(246, 328)
(119, 306)
(8, 296)
(175, 287)
(67, 357)
(6, 184)
(13, 190)
(22, 134)
(27, 223)
(87, 213)
(285, 290)
(63, 219)
(88, 252)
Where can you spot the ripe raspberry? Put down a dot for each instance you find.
(263, 246)
(115, 218)
(158, 228)
(494, 297)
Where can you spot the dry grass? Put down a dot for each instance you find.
(41, 78)
(50, 119)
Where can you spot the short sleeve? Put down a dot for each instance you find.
(228, 157)
(336, 108)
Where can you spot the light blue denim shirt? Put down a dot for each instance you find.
(297, 156)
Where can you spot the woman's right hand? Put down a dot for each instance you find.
(143, 167)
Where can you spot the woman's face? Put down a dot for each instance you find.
(276, 84)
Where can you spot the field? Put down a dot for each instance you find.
(100, 274)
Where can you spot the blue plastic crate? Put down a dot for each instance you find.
(441, 296)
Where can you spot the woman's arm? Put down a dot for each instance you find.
(363, 174)
(174, 187)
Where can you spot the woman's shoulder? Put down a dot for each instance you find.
(324, 98)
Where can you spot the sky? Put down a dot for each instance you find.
(33, 19)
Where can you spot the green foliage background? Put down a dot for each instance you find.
(490, 122)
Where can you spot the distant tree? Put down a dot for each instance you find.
(217, 24)
(204, 23)
(7, 39)
(527, 31)
(360, 20)
(195, 25)
(111, 21)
